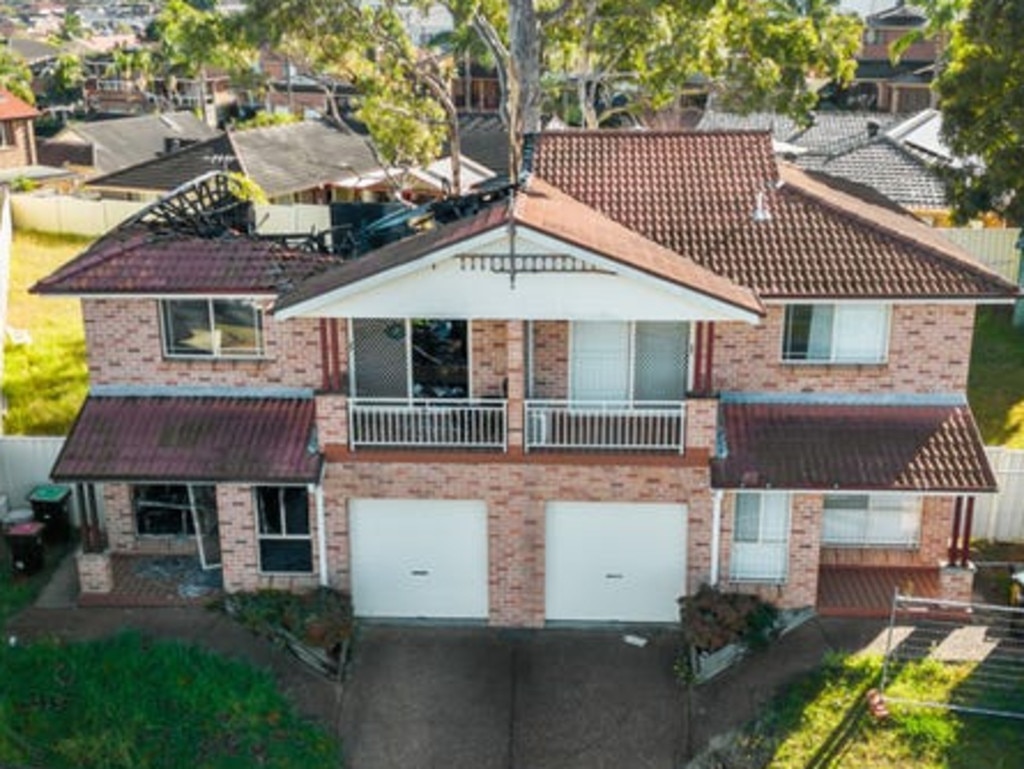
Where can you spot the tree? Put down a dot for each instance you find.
(15, 76)
(71, 28)
(64, 78)
(983, 113)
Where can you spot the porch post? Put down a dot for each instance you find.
(716, 533)
(954, 540)
(965, 542)
(321, 531)
(516, 374)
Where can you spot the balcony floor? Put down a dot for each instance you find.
(867, 591)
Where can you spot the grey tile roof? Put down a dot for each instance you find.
(485, 140)
(127, 141)
(169, 172)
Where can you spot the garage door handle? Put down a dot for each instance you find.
(419, 572)
(613, 576)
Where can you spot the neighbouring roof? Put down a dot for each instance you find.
(899, 15)
(697, 194)
(191, 438)
(851, 445)
(282, 160)
(124, 142)
(58, 153)
(543, 208)
(13, 108)
(32, 51)
(484, 138)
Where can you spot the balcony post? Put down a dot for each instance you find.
(516, 374)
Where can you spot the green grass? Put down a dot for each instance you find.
(129, 702)
(822, 721)
(996, 385)
(45, 380)
(18, 592)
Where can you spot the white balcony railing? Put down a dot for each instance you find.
(417, 422)
(619, 425)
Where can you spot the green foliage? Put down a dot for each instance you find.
(15, 75)
(983, 115)
(712, 619)
(244, 188)
(322, 617)
(266, 120)
(128, 702)
(64, 78)
(929, 732)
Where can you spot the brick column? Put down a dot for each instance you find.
(95, 572)
(516, 371)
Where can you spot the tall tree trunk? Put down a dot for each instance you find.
(524, 83)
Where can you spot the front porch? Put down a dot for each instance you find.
(147, 581)
(867, 591)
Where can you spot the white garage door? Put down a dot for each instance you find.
(417, 558)
(615, 562)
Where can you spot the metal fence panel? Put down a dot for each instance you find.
(25, 462)
(995, 248)
(1000, 516)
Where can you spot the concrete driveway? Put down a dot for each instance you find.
(484, 698)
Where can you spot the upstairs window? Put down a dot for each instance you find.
(836, 333)
(217, 328)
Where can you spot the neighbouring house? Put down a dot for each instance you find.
(96, 147)
(667, 360)
(901, 86)
(310, 161)
(18, 161)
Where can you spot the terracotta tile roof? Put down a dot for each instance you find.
(141, 260)
(191, 438)
(13, 108)
(696, 194)
(850, 445)
(548, 210)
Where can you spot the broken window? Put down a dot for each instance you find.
(165, 510)
(284, 532)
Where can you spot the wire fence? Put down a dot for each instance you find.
(977, 647)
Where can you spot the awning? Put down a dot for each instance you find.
(192, 438)
(898, 446)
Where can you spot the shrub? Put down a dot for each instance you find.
(321, 618)
(712, 619)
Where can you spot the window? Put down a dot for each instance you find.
(6, 135)
(865, 520)
(828, 333)
(619, 361)
(166, 510)
(401, 358)
(227, 328)
(284, 538)
(760, 549)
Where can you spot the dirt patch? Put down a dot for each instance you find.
(996, 562)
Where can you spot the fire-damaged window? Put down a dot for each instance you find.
(284, 536)
(166, 510)
(222, 328)
(411, 358)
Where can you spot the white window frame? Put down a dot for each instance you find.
(215, 351)
(631, 355)
(187, 508)
(866, 519)
(737, 565)
(839, 309)
(285, 536)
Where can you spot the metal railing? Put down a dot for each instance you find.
(617, 425)
(446, 422)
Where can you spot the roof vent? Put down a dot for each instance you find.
(761, 212)
(873, 128)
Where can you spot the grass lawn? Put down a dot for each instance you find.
(996, 385)
(129, 702)
(822, 721)
(45, 380)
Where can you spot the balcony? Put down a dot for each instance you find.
(605, 425)
(428, 423)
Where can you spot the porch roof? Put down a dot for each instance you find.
(851, 443)
(191, 438)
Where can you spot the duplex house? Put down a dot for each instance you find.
(664, 359)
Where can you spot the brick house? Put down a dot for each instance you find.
(668, 360)
(17, 135)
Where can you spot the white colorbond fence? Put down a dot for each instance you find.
(68, 215)
(995, 248)
(1001, 516)
(25, 462)
(5, 269)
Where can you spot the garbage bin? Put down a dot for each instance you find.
(25, 543)
(51, 506)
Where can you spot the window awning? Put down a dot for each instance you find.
(192, 438)
(881, 446)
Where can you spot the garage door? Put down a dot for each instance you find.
(416, 558)
(615, 562)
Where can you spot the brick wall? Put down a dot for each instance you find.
(124, 347)
(489, 358)
(550, 359)
(929, 351)
(515, 495)
(21, 151)
(95, 572)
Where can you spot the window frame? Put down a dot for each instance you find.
(285, 535)
(187, 507)
(785, 499)
(875, 508)
(882, 358)
(215, 353)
